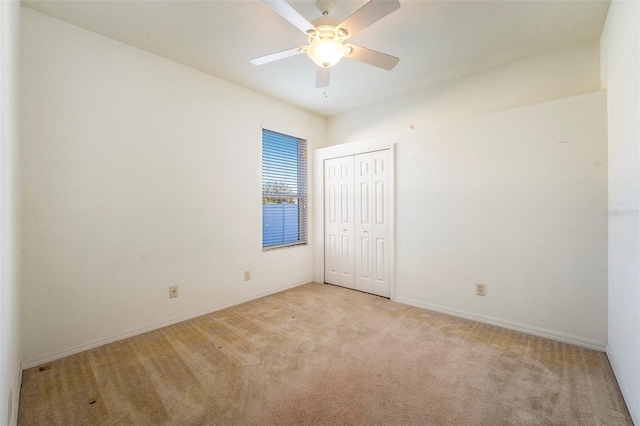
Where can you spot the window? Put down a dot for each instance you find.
(284, 190)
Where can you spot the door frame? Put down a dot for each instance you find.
(343, 150)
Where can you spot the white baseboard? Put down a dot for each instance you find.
(622, 384)
(61, 353)
(536, 331)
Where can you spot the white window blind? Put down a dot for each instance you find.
(284, 190)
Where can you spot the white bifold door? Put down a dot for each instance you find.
(357, 231)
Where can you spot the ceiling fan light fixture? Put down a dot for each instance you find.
(326, 52)
(326, 36)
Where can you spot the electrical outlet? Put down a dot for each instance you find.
(480, 289)
(173, 291)
(247, 275)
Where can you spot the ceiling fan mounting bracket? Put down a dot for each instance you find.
(325, 7)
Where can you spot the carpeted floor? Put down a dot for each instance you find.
(323, 355)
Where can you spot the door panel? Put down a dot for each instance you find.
(380, 203)
(345, 208)
(382, 228)
(372, 229)
(339, 219)
(363, 200)
(332, 259)
(380, 264)
(363, 225)
(381, 281)
(331, 205)
(365, 257)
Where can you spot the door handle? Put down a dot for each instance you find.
(365, 231)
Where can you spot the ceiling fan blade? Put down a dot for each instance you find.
(372, 57)
(276, 56)
(322, 77)
(367, 15)
(285, 10)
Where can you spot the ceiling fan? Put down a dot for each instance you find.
(326, 36)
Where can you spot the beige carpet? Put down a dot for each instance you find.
(323, 355)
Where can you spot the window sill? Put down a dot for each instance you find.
(283, 246)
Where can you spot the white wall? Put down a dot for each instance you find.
(516, 200)
(496, 198)
(558, 74)
(10, 328)
(138, 174)
(620, 56)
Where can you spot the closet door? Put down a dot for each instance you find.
(372, 227)
(339, 200)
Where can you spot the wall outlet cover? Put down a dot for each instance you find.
(173, 291)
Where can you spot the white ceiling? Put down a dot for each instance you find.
(436, 41)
